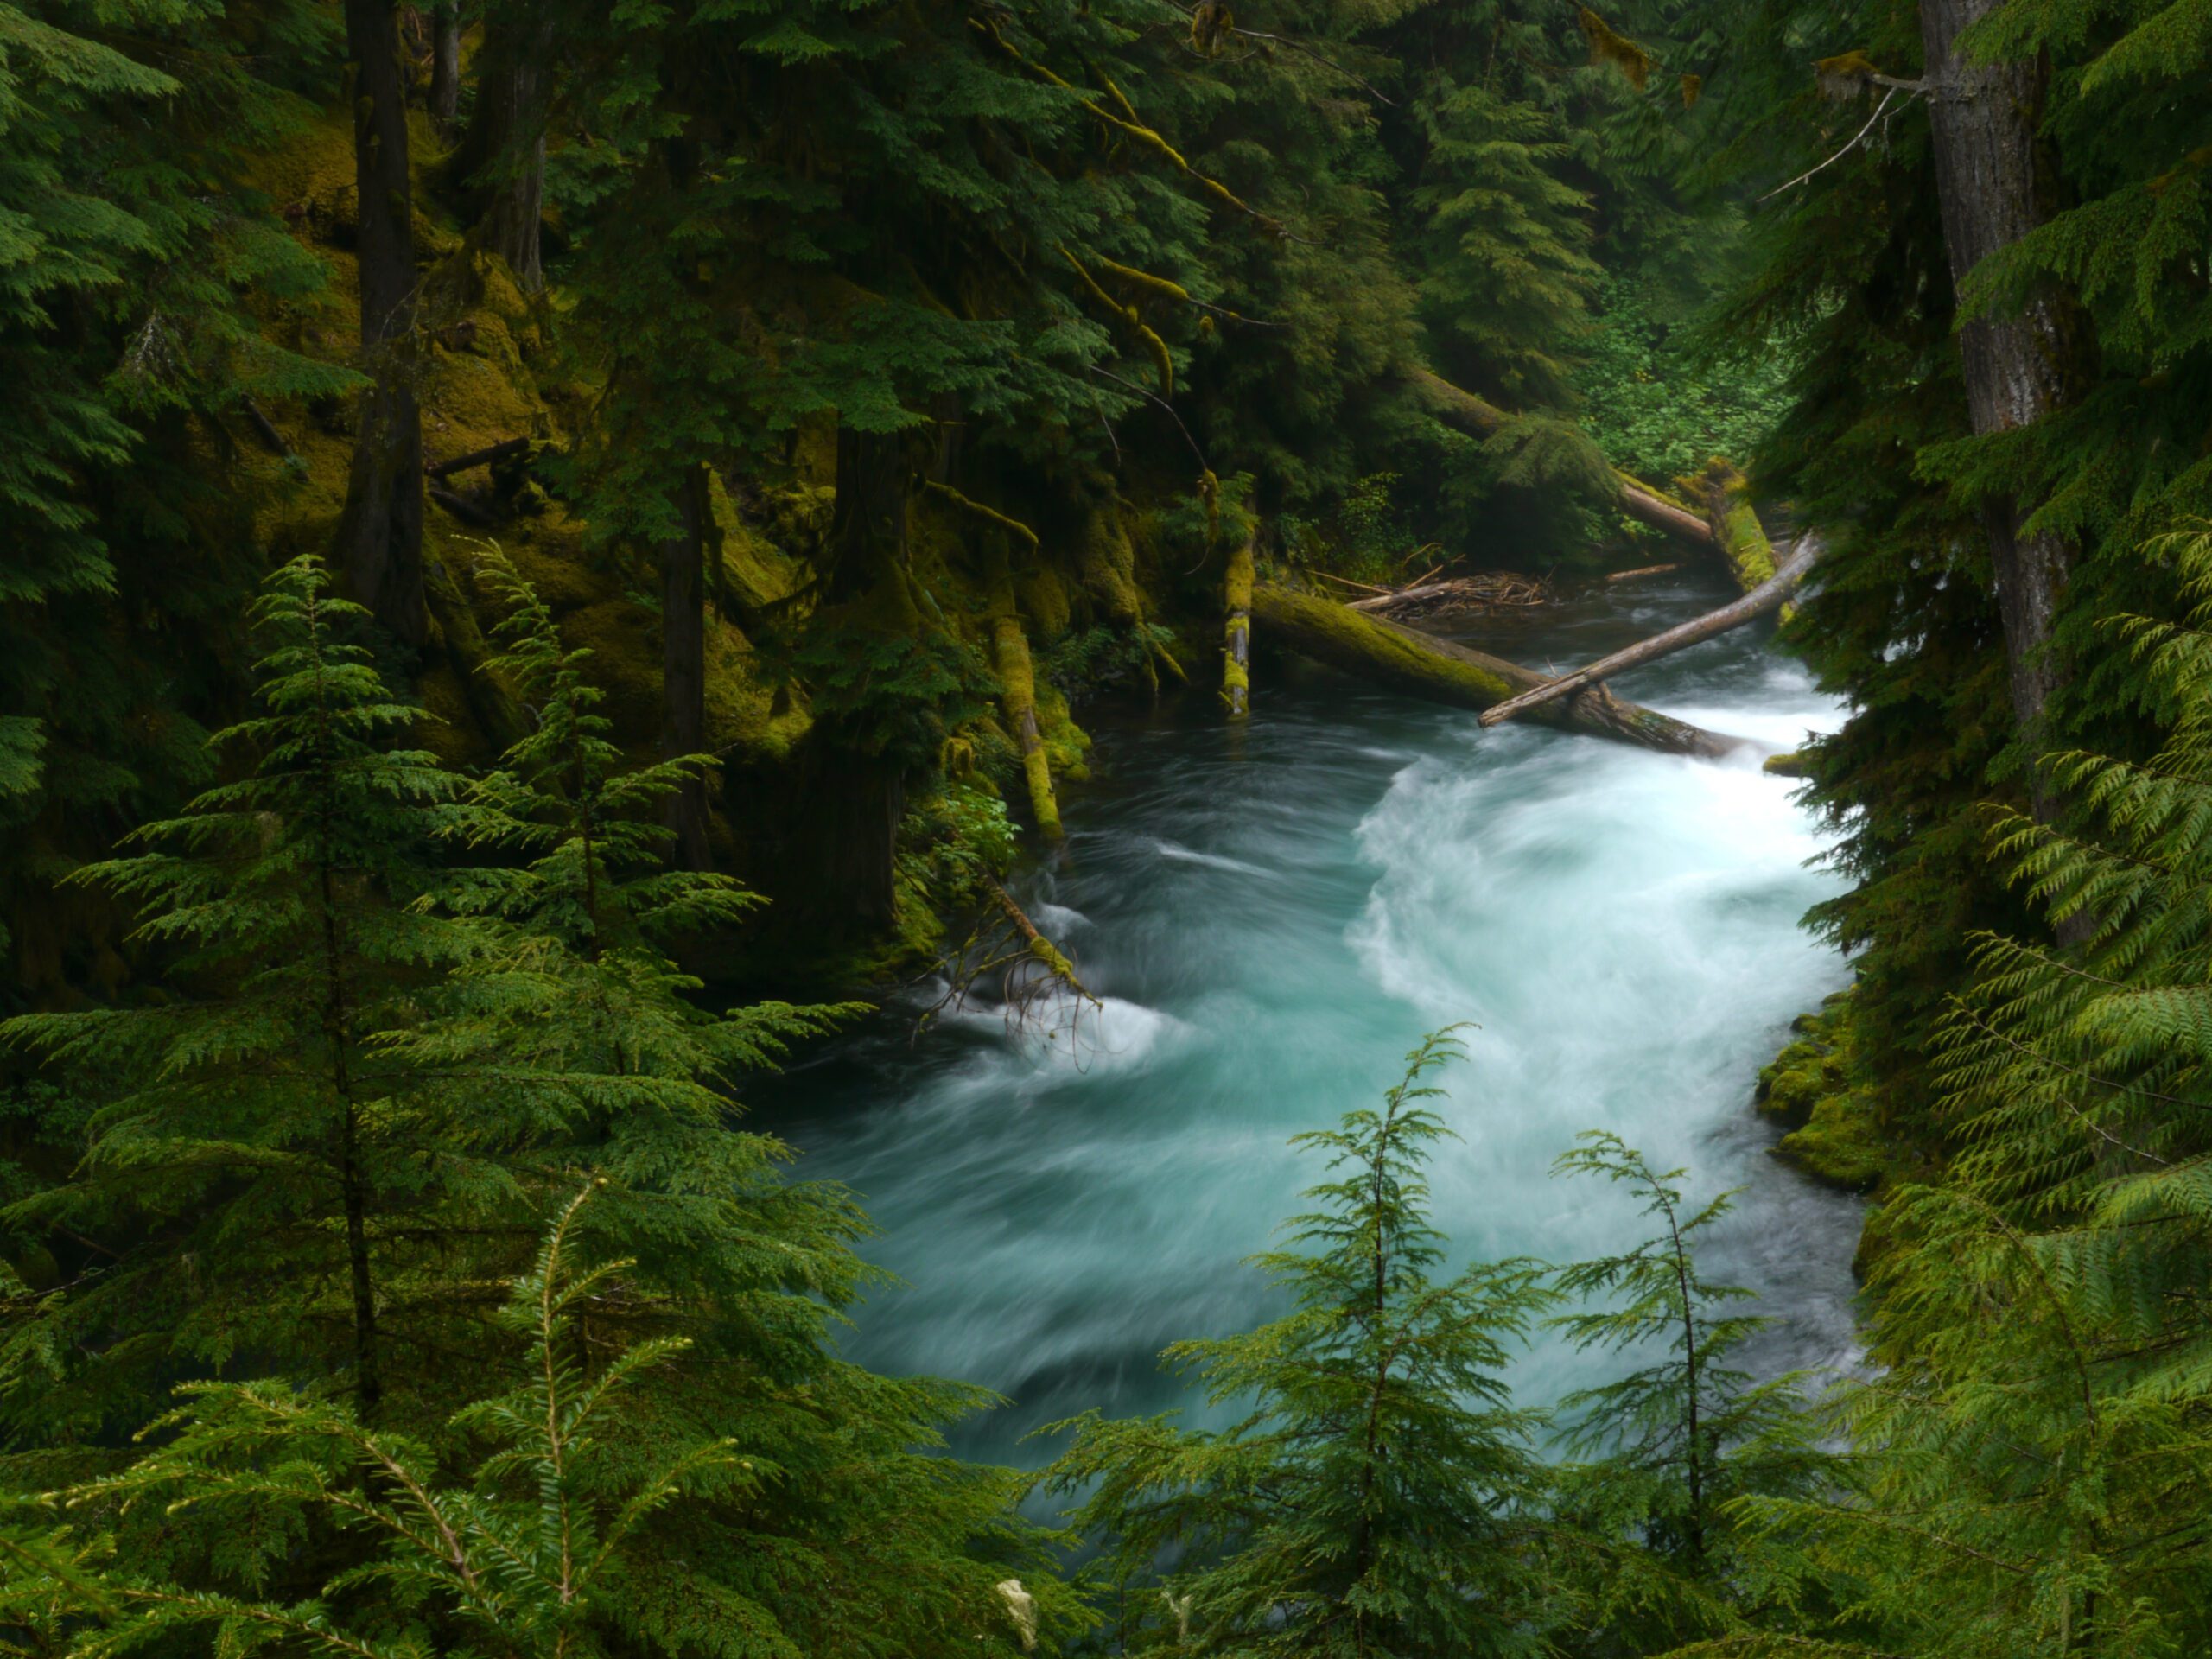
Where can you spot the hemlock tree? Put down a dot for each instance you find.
(1668, 1448)
(260, 1180)
(1372, 1499)
(2033, 1458)
(136, 253)
(270, 1515)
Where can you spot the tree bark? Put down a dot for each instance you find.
(684, 664)
(859, 792)
(380, 543)
(1436, 671)
(1018, 680)
(502, 154)
(1768, 596)
(445, 69)
(1994, 186)
(1236, 648)
(1479, 419)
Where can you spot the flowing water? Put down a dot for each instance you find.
(1273, 916)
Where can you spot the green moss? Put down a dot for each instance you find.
(1791, 765)
(1813, 1085)
(1344, 638)
(1044, 600)
(1841, 1144)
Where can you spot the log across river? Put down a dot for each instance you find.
(1274, 911)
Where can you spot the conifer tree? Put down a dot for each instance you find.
(137, 250)
(246, 1181)
(266, 1515)
(2029, 1477)
(1668, 1448)
(1372, 1499)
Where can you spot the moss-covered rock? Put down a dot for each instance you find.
(1813, 1086)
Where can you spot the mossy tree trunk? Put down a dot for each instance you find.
(1018, 683)
(1479, 419)
(379, 541)
(502, 156)
(683, 663)
(1109, 564)
(1437, 671)
(1736, 532)
(1237, 647)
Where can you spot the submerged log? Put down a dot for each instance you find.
(1437, 671)
(1769, 595)
(1236, 648)
(1479, 418)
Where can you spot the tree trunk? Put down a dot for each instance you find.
(380, 544)
(502, 156)
(1017, 677)
(1994, 187)
(858, 791)
(1479, 419)
(490, 698)
(1437, 671)
(1768, 596)
(445, 69)
(684, 664)
(1237, 652)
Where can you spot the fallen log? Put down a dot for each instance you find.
(1736, 527)
(1479, 418)
(1437, 671)
(1491, 590)
(1769, 595)
(486, 456)
(1644, 571)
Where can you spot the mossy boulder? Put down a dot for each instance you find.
(1841, 1144)
(1812, 1086)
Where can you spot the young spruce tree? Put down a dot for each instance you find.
(1373, 1499)
(260, 1184)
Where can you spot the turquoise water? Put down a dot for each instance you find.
(1273, 916)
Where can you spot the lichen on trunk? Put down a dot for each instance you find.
(1018, 699)
(1236, 650)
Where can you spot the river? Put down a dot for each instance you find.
(1274, 915)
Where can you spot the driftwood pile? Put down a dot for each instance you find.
(1427, 596)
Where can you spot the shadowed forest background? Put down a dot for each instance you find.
(555, 557)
